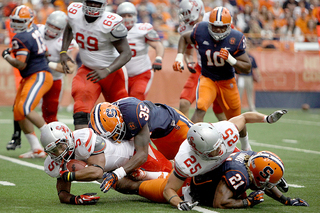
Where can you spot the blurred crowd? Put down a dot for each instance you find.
(267, 23)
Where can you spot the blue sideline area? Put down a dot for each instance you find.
(287, 99)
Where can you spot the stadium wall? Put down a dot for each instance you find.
(289, 79)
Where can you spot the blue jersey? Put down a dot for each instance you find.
(213, 66)
(233, 171)
(30, 43)
(161, 119)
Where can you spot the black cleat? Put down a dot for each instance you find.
(14, 143)
(283, 185)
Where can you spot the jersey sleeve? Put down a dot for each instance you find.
(85, 140)
(19, 46)
(241, 45)
(237, 182)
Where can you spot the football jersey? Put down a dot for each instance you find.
(188, 164)
(30, 44)
(140, 61)
(213, 66)
(161, 119)
(94, 39)
(54, 47)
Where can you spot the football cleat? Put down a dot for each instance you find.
(38, 153)
(14, 143)
(283, 185)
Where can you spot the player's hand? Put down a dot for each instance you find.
(275, 116)
(157, 64)
(64, 58)
(86, 199)
(224, 54)
(98, 75)
(191, 67)
(109, 179)
(255, 198)
(6, 53)
(186, 205)
(178, 64)
(65, 174)
(296, 202)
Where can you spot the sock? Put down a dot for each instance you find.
(245, 146)
(17, 129)
(155, 175)
(33, 141)
(42, 128)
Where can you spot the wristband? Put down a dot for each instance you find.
(265, 119)
(120, 172)
(73, 199)
(6, 56)
(53, 65)
(108, 70)
(63, 52)
(159, 57)
(231, 60)
(179, 57)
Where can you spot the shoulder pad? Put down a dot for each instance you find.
(100, 145)
(119, 31)
(152, 35)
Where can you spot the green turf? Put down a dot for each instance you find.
(296, 138)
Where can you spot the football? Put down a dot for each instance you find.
(75, 165)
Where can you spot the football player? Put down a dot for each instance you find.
(140, 37)
(130, 118)
(52, 34)
(103, 50)
(29, 50)
(222, 51)
(100, 154)
(190, 13)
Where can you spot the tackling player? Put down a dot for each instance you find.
(140, 37)
(100, 154)
(103, 50)
(29, 51)
(222, 51)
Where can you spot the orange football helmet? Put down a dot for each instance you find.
(219, 18)
(266, 169)
(107, 121)
(21, 19)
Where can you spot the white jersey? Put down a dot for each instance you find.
(140, 61)
(116, 154)
(188, 163)
(94, 39)
(54, 48)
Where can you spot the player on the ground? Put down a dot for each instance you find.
(140, 37)
(100, 154)
(103, 49)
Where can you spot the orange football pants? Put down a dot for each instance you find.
(85, 93)
(30, 92)
(225, 92)
(139, 85)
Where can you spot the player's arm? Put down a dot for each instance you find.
(223, 197)
(64, 58)
(184, 41)
(159, 48)
(123, 48)
(277, 195)
(171, 188)
(243, 64)
(19, 62)
(255, 117)
(94, 170)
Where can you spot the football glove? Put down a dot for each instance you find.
(65, 174)
(109, 179)
(178, 64)
(254, 198)
(186, 205)
(6, 53)
(157, 64)
(86, 199)
(295, 202)
(191, 67)
(275, 116)
(225, 55)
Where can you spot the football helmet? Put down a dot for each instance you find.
(190, 11)
(94, 11)
(128, 8)
(55, 24)
(266, 169)
(219, 17)
(205, 138)
(106, 120)
(21, 19)
(53, 136)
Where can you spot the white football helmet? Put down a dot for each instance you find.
(128, 8)
(205, 138)
(94, 11)
(55, 24)
(190, 11)
(54, 134)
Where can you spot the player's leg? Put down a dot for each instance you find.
(50, 102)
(249, 92)
(139, 85)
(218, 111)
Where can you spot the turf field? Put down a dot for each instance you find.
(24, 186)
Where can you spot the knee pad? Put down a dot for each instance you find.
(81, 118)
